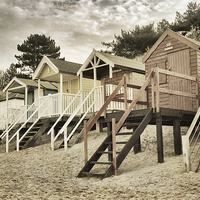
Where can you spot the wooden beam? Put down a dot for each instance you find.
(85, 141)
(127, 112)
(159, 138)
(179, 93)
(192, 78)
(114, 147)
(110, 80)
(102, 109)
(177, 136)
(157, 90)
(109, 129)
(125, 92)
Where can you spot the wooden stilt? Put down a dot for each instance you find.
(114, 147)
(159, 138)
(137, 146)
(52, 139)
(177, 136)
(101, 127)
(109, 129)
(85, 141)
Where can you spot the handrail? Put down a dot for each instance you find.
(61, 115)
(109, 99)
(74, 129)
(133, 103)
(29, 117)
(18, 120)
(6, 120)
(34, 123)
(190, 142)
(73, 115)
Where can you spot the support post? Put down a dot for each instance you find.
(186, 152)
(65, 138)
(177, 136)
(81, 88)
(7, 133)
(137, 146)
(52, 139)
(153, 92)
(157, 91)
(125, 92)
(85, 141)
(61, 91)
(114, 147)
(17, 141)
(26, 103)
(7, 143)
(159, 138)
(109, 129)
(104, 95)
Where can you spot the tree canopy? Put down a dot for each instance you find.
(136, 42)
(33, 49)
(133, 43)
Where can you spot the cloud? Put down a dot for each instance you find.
(76, 25)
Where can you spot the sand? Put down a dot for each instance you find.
(39, 173)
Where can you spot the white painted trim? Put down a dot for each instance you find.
(41, 66)
(91, 56)
(12, 81)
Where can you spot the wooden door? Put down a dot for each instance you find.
(180, 62)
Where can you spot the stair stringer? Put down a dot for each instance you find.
(131, 142)
(33, 139)
(88, 166)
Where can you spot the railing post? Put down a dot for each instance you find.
(157, 90)
(104, 95)
(50, 107)
(65, 138)
(114, 147)
(125, 92)
(85, 141)
(186, 152)
(52, 139)
(153, 91)
(17, 140)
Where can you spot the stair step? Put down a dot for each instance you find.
(32, 132)
(131, 125)
(125, 133)
(107, 152)
(88, 174)
(101, 163)
(116, 142)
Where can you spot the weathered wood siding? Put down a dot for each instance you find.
(175, 56)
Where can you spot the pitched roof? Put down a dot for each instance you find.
(125, 62)
(114, 61)
(66, 66)
(58, 66)
(30, 83)
(190, 42)
(12, 96)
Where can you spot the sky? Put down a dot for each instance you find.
(77, 26)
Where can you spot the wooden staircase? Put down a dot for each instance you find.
(35, 132)
(124, 146)
(78, 135)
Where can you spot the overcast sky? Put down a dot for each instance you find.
(77, 26)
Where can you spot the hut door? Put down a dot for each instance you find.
(180, 62)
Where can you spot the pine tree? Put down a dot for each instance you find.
(33, 49)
